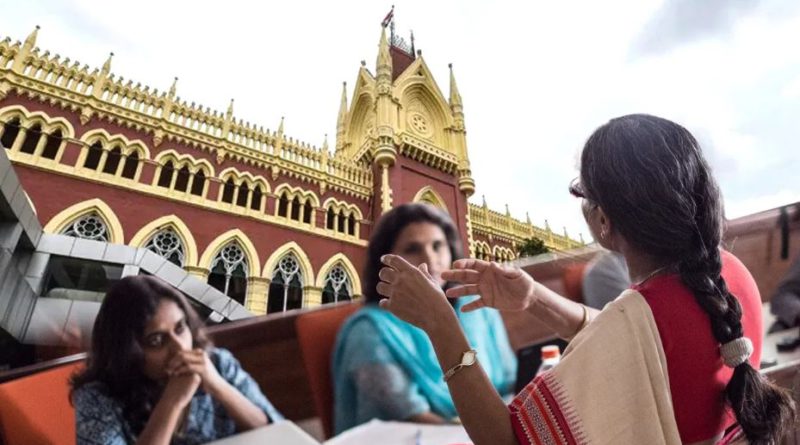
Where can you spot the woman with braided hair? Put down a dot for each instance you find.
(672, 360)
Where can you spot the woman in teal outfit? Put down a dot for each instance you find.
(386, 368)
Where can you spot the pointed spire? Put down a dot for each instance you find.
(173, 88)
(341, 120)
(528, 218)
(413, 51)
(483, 197)
(342, 106)
(508, 213)
(100, 81)
(384, 58)
(107, 65)
(455, 96)
(325, 144)
(229, 113)
(280, 127)
(30, 41)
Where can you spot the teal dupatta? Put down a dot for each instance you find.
(411, 349)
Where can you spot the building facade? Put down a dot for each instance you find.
(270, 221)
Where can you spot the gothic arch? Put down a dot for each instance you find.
(127, 144)
(246, 177)
(145, 233)
(232, 235)
(299, 192)
(179, 159)
(339, 258)
(60, 221)
(302, 259)
(360, 114)
(428, 195)
(51, 122)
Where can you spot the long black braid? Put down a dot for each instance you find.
(649, 176)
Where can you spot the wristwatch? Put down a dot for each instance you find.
(468, 358)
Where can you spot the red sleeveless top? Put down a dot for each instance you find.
(697, 376)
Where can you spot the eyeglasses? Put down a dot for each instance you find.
(576, 189)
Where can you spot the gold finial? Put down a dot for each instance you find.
(107, 65)
(455, 96)
(342, 106)
(174, 87)
(30, 41)
(384, 58)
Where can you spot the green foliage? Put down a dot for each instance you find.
(532, 247)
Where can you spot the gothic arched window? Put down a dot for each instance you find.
(112, 161)
(283, 205)
(330, 221)
(168, 244)
(10, 133)
(227, 191)
(32, 138)
(340, 227)
(255, 202)
(53, 145)
(241, 199)
(294, 211)
(131, 165)
(93, 156)
(199, 183)
(351, 225)
(229, 272)
(90, 226)
(286, 288)
(308, 212)
(182, 181)
(337, 286)
(165, 179)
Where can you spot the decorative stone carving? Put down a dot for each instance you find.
(420, 124)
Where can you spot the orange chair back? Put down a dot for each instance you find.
(573, 280)
(316, 333)
(35, 410)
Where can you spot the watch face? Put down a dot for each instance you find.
(468, 358)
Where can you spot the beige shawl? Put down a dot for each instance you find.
(611, 386)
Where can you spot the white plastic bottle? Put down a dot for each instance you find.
(551, 355)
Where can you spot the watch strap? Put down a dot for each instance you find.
(461, 365)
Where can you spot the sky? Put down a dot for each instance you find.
(536, 78)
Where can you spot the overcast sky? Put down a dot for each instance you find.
(536, 77)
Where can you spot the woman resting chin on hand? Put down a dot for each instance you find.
(153, 378)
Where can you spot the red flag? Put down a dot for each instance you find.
(388, 18)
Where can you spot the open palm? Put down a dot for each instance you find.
(502, 287)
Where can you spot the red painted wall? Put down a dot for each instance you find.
(51, 193)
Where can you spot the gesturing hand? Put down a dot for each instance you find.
(411, 293)
(195, 361)
(501, 287)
